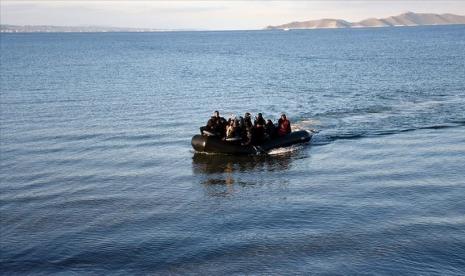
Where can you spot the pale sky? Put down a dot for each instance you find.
(209, 15)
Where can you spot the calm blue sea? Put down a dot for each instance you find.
(98, 176)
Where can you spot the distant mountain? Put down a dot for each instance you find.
(66, 29)
(405, 19)
(314, 24)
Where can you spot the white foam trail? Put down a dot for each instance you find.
(305, 125)
(284, 151)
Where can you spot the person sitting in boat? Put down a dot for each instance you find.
(259, 128)
(233, 132)
(270, 130)
(216, 125)
(246, 121)
(284, 125)
(247, 129)
(229, 124)
(238, 127)
(230, 128)
(241, 123)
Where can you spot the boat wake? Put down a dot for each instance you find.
(285, 150)
(326, 136)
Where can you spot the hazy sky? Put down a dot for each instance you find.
(206, 14)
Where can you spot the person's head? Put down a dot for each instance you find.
(247, 115)
(216, 114)
(283, 116)
(269, 122)
(259, 115)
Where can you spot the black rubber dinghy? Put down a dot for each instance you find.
(213, 144)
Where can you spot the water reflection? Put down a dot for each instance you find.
(223, 174)
(218, 163)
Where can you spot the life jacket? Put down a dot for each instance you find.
(284, 127)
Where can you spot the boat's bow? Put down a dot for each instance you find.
(199, 142)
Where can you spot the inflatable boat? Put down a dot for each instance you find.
(213, 144)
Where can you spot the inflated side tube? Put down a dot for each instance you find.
(213, 144)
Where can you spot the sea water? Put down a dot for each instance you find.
(98, 175)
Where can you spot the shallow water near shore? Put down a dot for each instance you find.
(98, 175)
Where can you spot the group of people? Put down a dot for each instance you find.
(243, 130)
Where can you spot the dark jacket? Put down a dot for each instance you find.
(270, 130)
(259, 122)
(247, 130)
(259, 130)
(217, 125)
